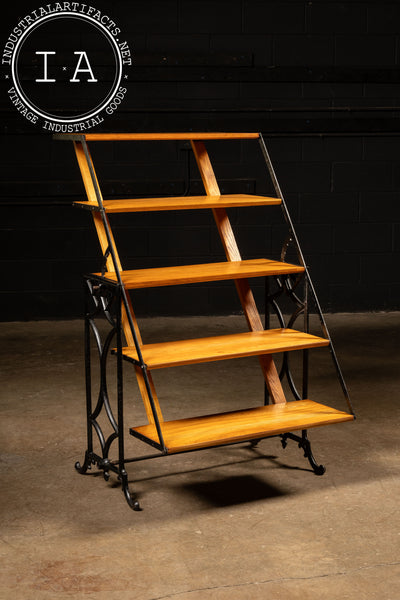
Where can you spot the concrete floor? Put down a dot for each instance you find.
(225, 524)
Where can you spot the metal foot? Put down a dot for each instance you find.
(304, 443)
(86, 465)
(129, 497)
(318, 469)
(104, 464)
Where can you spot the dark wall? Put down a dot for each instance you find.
(319, 79)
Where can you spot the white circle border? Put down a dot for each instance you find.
(76, 119)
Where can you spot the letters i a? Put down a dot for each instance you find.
(82, 56)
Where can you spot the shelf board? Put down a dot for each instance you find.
(181, 203)
(237, 345)
(178, 275)
(119, 137)
(215, 430)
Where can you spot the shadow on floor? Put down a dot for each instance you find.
(230, 491)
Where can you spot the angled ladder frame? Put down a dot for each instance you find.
(107, 293)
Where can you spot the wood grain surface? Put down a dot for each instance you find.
(178, 275)
(225, 428)
(181, 203)
(236, 345)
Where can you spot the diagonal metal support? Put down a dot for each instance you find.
(311, 288)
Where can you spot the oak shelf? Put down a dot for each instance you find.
(152, 137)
(241, 426)
(179, 275)
(180, 203)
(223, 347)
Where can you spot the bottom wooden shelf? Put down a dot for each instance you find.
(243, 425)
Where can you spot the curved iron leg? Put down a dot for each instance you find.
(130, 498)
(305, 444)
(86, 465)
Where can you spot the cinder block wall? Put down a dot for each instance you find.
(319, 79)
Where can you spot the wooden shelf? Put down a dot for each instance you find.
(164, 276)
(237, 345)
(181, 203)
(132, 137)
(226, 428)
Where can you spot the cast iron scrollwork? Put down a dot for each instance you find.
(295, 289)
(304, 443)
(105, 301)
(289, 287)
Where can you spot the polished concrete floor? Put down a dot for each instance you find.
(223, 524)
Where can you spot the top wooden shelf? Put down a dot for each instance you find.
(140, 137)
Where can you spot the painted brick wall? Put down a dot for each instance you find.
(319, 79)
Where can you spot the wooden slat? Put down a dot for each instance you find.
(232, 253)
(254, 423)
(164, 276)
(236, 345)
(105, 137)
(181, 203)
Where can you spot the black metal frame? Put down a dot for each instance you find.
(106, 299)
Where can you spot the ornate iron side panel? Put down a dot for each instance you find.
(103, 300)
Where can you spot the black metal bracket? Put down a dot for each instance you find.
(105, 257)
